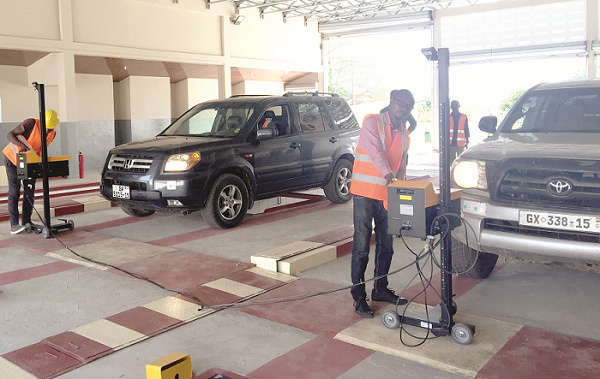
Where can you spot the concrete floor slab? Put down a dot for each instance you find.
(230, 339)
(109, 333)
(16, 258)
(115, 251)
(442, 353)
(174, 307)
(11, 370)
(45, 306)
(551, 297)
(386, 366)
(233, 287)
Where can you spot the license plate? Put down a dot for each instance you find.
(560, 221)
(120, 192)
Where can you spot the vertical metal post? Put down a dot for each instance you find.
(445, 250)
(42, 101)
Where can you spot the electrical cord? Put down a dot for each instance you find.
(104, 264)
(426, 255)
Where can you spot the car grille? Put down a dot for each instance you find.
(515, 228)
(130, 163)
(526, 183)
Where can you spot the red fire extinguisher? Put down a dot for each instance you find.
(81, 161)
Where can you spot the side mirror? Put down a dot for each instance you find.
(488, 124)
(264, 133)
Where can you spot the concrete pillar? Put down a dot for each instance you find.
(67, 109)
(225, 69)
(592, 34)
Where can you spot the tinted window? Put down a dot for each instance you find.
(566, 110)
(343, 117)
(311, 119)
(217, 121)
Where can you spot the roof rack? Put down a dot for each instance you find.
(307, 93)
(234, 96)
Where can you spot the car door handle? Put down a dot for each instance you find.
(333, 140)
(294, 145)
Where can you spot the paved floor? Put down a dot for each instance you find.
(63, 316)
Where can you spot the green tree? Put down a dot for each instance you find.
(423, 110)
(507, 103)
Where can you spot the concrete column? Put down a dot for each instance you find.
(225, 69)
(67, 100)
(592, 34)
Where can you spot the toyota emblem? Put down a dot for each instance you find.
(559, 187)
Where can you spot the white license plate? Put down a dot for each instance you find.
(120, 192)
(560, 221)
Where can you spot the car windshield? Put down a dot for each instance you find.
(557, 111)
(211, 121)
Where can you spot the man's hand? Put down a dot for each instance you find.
(389, 178)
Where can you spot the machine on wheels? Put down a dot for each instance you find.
(32, 166)
(416, 209)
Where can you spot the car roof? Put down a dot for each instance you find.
(588, 83)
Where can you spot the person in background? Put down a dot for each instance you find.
(459, 131)
(26, 136)
(380, 159)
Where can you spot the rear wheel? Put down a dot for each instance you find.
(337, 188)
(227, 202)
(463, 258)
(136, 212)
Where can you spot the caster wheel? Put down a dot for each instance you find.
(46, 233)
(390, 319)
(462, 334)
(71, 224)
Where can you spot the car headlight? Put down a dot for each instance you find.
(469, 174)
(181, 162)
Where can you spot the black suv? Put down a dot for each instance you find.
(222, 155)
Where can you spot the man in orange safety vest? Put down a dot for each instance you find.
(459, 131)
(380, 159)
(26, 136)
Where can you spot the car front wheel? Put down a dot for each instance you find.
(337, 188)
(468, 263)
(227, 202)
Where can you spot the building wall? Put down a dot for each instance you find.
(149, 30)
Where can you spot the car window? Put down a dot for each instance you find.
(276, 117)
(342, 114)
(311, 119)
(215, 121)
(555, 111)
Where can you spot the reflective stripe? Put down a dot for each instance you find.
(362, 157)
(369, 179)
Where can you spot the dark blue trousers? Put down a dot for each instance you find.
(14, 192)
(365, 211)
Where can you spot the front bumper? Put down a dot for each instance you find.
(166, 192)
(484, 223)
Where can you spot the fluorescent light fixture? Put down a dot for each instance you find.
(237, 19)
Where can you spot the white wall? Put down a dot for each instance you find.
(19, 99)
(95, 97)
(150, 97)
(30, 18)
(190, 92)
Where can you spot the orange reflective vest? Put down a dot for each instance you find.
(266, 124)
(461, 139)
(367, 181)
(35, 141)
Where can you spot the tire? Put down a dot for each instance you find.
(136, 212)
(227, 202)
(463, 257)
(337, 188)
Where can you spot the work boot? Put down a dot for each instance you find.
(16, 229)
(388, 296)
(363, 309)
